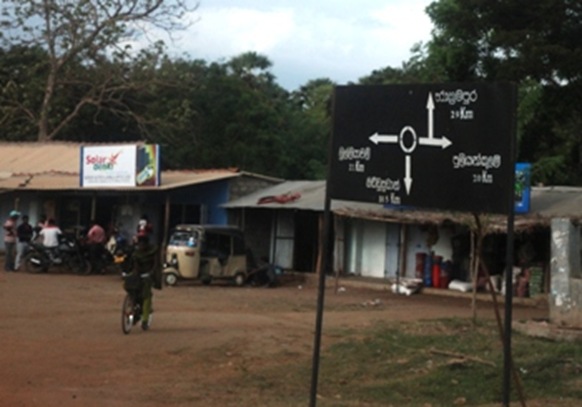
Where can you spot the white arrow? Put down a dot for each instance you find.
(430, 109)
(407, 177)
(383, 138)
(442, 142)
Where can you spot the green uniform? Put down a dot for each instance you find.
(146, 261)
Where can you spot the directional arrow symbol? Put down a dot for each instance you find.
(383, 138)
(408, 177)
(430, 109)
(442, 142)
(429, 140)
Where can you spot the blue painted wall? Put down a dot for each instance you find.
(211, 194)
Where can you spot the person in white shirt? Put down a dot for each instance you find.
(50, 234)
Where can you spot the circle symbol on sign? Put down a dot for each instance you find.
(403, 132)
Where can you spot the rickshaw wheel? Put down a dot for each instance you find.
(239, 279)
(170, 279)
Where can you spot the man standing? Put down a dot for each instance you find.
(10, 240)
(24, 234)
(95, 243)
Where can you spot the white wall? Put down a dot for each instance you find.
(373, 249)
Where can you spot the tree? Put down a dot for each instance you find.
(535, 44)
(310, 140)
(81, 39)
(21, 73)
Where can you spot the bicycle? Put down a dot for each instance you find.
(132, 303)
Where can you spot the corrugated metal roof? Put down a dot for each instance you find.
(546, 203)
(557, 201)
(56, 166)
(67, 182)
(305, 195)
(37, 158)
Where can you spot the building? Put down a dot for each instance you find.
(45, 179)
(283, 223)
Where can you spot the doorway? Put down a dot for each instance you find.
(306, 241)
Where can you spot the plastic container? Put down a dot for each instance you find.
(445, 277)
(427, 280)
(436, 271)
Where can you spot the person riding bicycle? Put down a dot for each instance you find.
(146, 260)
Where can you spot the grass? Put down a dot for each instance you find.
(427, 363)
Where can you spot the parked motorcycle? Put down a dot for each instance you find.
(115, 257)
(123, 258)
(68, 253)
(121, 250)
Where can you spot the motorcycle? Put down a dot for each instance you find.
(39, 259)
(123, 258)
(115, 257)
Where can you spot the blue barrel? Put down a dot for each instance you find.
(428, 271)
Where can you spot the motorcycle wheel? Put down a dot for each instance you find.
(107, 263)
(35, 263)
(78, 264)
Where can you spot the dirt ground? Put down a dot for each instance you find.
(62, 343)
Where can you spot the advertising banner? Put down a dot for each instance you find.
(120, 166)
(522, 187)
(147, 165)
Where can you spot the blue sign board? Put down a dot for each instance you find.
(522, 187)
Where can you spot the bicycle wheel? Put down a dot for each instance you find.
(127, 314)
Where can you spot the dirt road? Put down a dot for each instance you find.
(62, 343)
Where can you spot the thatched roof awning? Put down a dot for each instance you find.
(493, 223)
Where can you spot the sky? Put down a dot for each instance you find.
(342, 40)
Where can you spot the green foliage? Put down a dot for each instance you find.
(535, 45)
(233, 114)
(68, 72)
(76, 37)
(21, 81)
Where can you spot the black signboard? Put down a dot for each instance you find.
(444, 146)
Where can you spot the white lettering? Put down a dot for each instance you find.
(456, 96)
(351, 153)
(488, 162)
(382, 185)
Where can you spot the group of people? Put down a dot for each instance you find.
(18, 236)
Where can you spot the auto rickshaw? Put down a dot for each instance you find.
(206, 253)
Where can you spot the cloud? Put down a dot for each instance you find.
(230, 31)
(342, 41)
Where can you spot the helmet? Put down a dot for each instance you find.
(14, 214)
